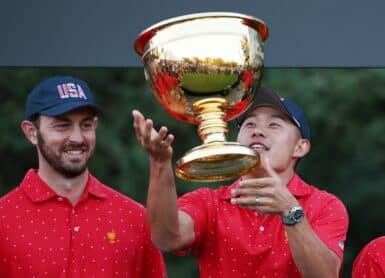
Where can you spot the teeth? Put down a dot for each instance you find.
(74, 152)
(258, 146)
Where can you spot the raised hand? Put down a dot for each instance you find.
(156, 143)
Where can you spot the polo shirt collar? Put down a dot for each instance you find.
(95, 188)
(296, 186)
(38, 191)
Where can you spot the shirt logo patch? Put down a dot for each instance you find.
(111, 236)
(286, 238)
(341, 244)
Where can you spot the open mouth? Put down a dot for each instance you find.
(75, 151)
(259, 147)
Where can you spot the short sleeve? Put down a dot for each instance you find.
(330, 221)
(197, 204)
(370, 262)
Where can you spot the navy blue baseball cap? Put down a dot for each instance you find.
(58, 95)
(266, 97)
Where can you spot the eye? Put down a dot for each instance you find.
(88, 125)
(61, 126)
(250, 124)
(274, 124)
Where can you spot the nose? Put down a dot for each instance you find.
(258, 131)
(76, 135)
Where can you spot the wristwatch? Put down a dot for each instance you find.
(295, 216)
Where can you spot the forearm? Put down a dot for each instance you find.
(170, 229)
(162, 208)
(312, 257)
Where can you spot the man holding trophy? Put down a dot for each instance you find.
(269, 222)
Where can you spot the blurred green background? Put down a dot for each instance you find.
(345, 108)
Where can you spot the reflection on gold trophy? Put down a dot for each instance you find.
(204, 69)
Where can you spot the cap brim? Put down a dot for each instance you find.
(264, 97)
(70, 106)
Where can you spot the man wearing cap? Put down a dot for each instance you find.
(268, 223)
(61, 221)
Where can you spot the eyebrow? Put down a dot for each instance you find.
(281, 116)
(274, 115)
(67, 119)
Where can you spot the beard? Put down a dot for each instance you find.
(70, 169)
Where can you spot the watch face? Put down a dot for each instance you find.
(298, 215)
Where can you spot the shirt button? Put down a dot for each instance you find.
(60, 199)
(261, 228)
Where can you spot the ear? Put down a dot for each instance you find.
(302, 148)
(96, 122)
(30, 131)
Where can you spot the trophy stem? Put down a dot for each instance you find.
(210, 114)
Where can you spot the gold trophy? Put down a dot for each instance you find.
(204, 69)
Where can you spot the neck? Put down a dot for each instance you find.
(286, 175)
(71, 188)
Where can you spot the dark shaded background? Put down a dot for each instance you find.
(307, 38)
(345, 107)
(309, 33)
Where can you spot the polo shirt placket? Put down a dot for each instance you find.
(74, 230)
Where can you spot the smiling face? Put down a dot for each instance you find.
(66, 143)
(272, 134)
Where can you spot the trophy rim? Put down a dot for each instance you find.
(151, 31)
(195, 163)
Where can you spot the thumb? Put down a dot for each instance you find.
(265, 163)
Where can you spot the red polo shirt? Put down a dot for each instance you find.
(104, 235)
(236, 242)
(370, 262)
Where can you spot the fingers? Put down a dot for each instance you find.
(154, 142)
(252, 190)
(167, 141)
(259, 204)
(264, 194)
(139, 122)
(162, 134)
(143, 128)
(147, 130)
(247, 201)
(138, 117)
(162, 139)
(255, 183)
(265, 164)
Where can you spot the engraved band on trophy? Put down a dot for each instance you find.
(204, 69)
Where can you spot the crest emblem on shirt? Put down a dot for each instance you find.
(111, 237)
(286, 238)
(341, 244)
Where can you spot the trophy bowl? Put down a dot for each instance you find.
(204, 69)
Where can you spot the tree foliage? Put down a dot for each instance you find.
(345, 109)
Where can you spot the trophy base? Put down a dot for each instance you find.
(216, 161)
